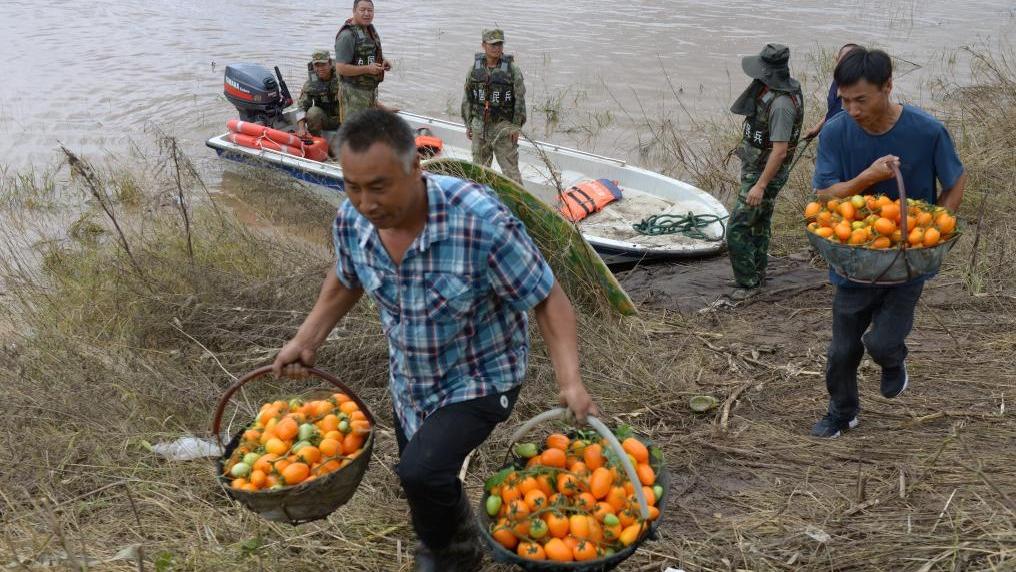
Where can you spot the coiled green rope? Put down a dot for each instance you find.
(689, 225)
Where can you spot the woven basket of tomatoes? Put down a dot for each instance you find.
(581, 500)
(878, 240)
(298, 460)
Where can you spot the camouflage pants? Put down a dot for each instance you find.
(496, 140)
(749, 229)
(355, 99)
(318, 120)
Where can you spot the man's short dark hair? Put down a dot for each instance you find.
(357, 3)
(873, 66)
(371, 126)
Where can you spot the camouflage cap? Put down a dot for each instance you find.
(494, 36)
(323, 56)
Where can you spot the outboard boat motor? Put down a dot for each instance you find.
(259, 96)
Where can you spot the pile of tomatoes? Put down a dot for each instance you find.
(572, 501)
(296, 441)
(870, 221)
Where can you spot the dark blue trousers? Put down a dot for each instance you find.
(889, 311)
(430, 461)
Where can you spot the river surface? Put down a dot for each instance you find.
(97, 76)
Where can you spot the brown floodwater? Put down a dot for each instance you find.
(96, 76)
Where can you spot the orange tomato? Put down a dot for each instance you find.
(945, 222)
(557, 441)
(527, 484)
(636, 449)
(309, 454)
(891, 212)
(600, 482)
(557, 550)
(535, 499)
(567, 484)
(824, 231)
(351, 443)
(812, 210)
(646, 474)
(531, 551)
(553, 458)
(843, 231)
(881, 242)
(931, 237)
(847, 210)
(585, 501)
(557, 524)
(330, 447)
(578, 525)
(584, 551)
(885, 226)
(504, 535)
(295, 473)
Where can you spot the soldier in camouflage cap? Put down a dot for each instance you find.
(773, 107)
(494, 106)
(319, 98)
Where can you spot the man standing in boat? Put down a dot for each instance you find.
(359, 61)
(494, 106)
(774, 113)
(319, 98)
(858, 152)
(453, 275)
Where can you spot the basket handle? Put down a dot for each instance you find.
(903, 206)
(264, 370)
(604, 432)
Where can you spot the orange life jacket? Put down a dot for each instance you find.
(588, 197)
(429, 145)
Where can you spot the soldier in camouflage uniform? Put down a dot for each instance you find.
(494, 106)
(359, 61)
(319, 98)
(774, 113)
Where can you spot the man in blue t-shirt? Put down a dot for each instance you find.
(833, 103)
(857, 153)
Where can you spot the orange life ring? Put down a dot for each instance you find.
(258, 136)
(588, 197)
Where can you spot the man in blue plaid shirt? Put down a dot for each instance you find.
(453, 274)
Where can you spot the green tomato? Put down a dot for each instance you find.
(295, 404)
(858, 224)
(343, 416)
(525, 450)
(299, 445)
(251, 458)
(493, 505)
(858, 201)
(537, 528)
(344, 426)
(611, 520)
(240, 470)
(608, 552)
(307, 430)
(657, 492)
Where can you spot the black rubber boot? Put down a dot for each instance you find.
(463, 553)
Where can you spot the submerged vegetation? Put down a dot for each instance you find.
(125, 322)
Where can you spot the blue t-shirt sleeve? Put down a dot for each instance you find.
(828, 170)
(948, 166)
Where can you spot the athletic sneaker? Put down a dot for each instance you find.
(830, 427)
(894, 380)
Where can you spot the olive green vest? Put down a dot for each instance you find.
(492, 91)
(323, 94)
(755, 145)
(366, 50)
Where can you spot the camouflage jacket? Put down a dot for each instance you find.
(494, 94)
(755, 145)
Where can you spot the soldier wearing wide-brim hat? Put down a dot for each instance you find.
(319, 97)
(494, 105)
(773, 107)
